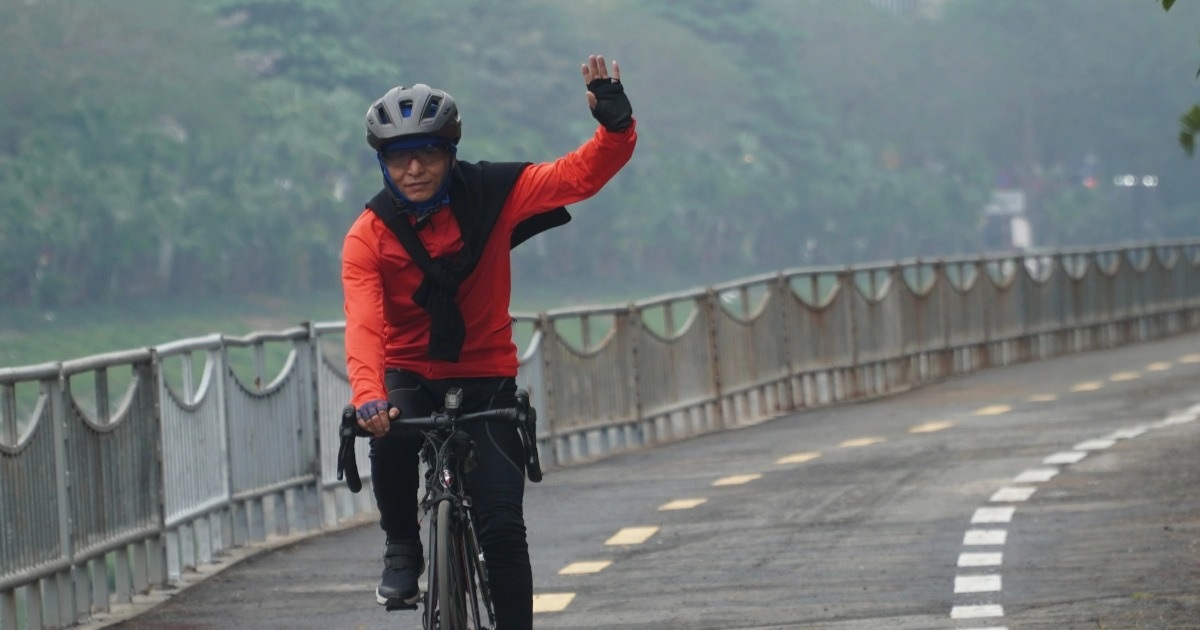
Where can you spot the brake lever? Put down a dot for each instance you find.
(347, 462)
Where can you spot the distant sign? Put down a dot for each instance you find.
(1006, 202)
(1022, 233)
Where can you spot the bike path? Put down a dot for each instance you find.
(868, 534)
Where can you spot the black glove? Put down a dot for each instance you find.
(612, 107)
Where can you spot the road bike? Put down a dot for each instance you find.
(457, 596)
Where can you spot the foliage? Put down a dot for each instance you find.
(1190, 121)
(166, 148)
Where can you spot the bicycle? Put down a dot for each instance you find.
(457, 596)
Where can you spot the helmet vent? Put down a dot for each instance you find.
(431, 108)
(406, 108)
(384, 119)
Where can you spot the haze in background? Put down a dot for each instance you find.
(167, 148)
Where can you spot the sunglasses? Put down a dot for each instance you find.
(425, 155)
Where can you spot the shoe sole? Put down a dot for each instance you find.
(397, 603)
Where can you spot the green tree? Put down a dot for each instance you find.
(110, 119)
(1190, 121)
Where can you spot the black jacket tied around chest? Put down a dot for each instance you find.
(478, 192)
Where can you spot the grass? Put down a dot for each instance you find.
(31, 336)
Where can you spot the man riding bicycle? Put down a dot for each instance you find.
(426, 274)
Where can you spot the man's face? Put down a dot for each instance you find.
(418, 173)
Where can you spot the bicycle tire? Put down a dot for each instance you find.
(450, 598)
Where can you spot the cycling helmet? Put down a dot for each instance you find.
(405, 112)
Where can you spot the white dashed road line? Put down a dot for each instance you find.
(1036, 475)
(993, 515)
(1012, 494)
(973, 583)
(976, 612)
(977, 584)
(985, 537)
(1065, 457)
(989, 559)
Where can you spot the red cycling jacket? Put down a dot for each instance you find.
(386, 329)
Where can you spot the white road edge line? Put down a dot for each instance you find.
(998, 537)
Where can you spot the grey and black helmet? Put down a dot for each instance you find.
(407, 112)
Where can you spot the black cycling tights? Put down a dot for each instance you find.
(497, 483)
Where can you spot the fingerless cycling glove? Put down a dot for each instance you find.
(612, 106)
(368, 409)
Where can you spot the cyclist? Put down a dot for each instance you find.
(426, 274)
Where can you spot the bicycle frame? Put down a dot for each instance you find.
(457, 596)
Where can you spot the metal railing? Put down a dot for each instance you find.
(121, 472)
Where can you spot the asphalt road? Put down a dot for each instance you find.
(1060, 495)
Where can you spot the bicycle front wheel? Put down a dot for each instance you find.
(449, 596)
(461, 589)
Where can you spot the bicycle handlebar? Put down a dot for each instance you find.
(524, 415)
(438, 420)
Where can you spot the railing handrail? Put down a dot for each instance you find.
(235, 466)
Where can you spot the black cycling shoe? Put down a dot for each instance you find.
(402, 565)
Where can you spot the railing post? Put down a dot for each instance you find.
(850, 286)
(785, 395)
(314, 379)
(711, 304)
(634, 315)
(549, 347)
(155, 550)
(69, 585)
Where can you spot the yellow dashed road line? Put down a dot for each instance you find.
(555, 602)
(585, 567)
(931, 427)
(632, 536)
(798, 458)
(736, 480)
(863, 441)
(552, 602)
(681, 504)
